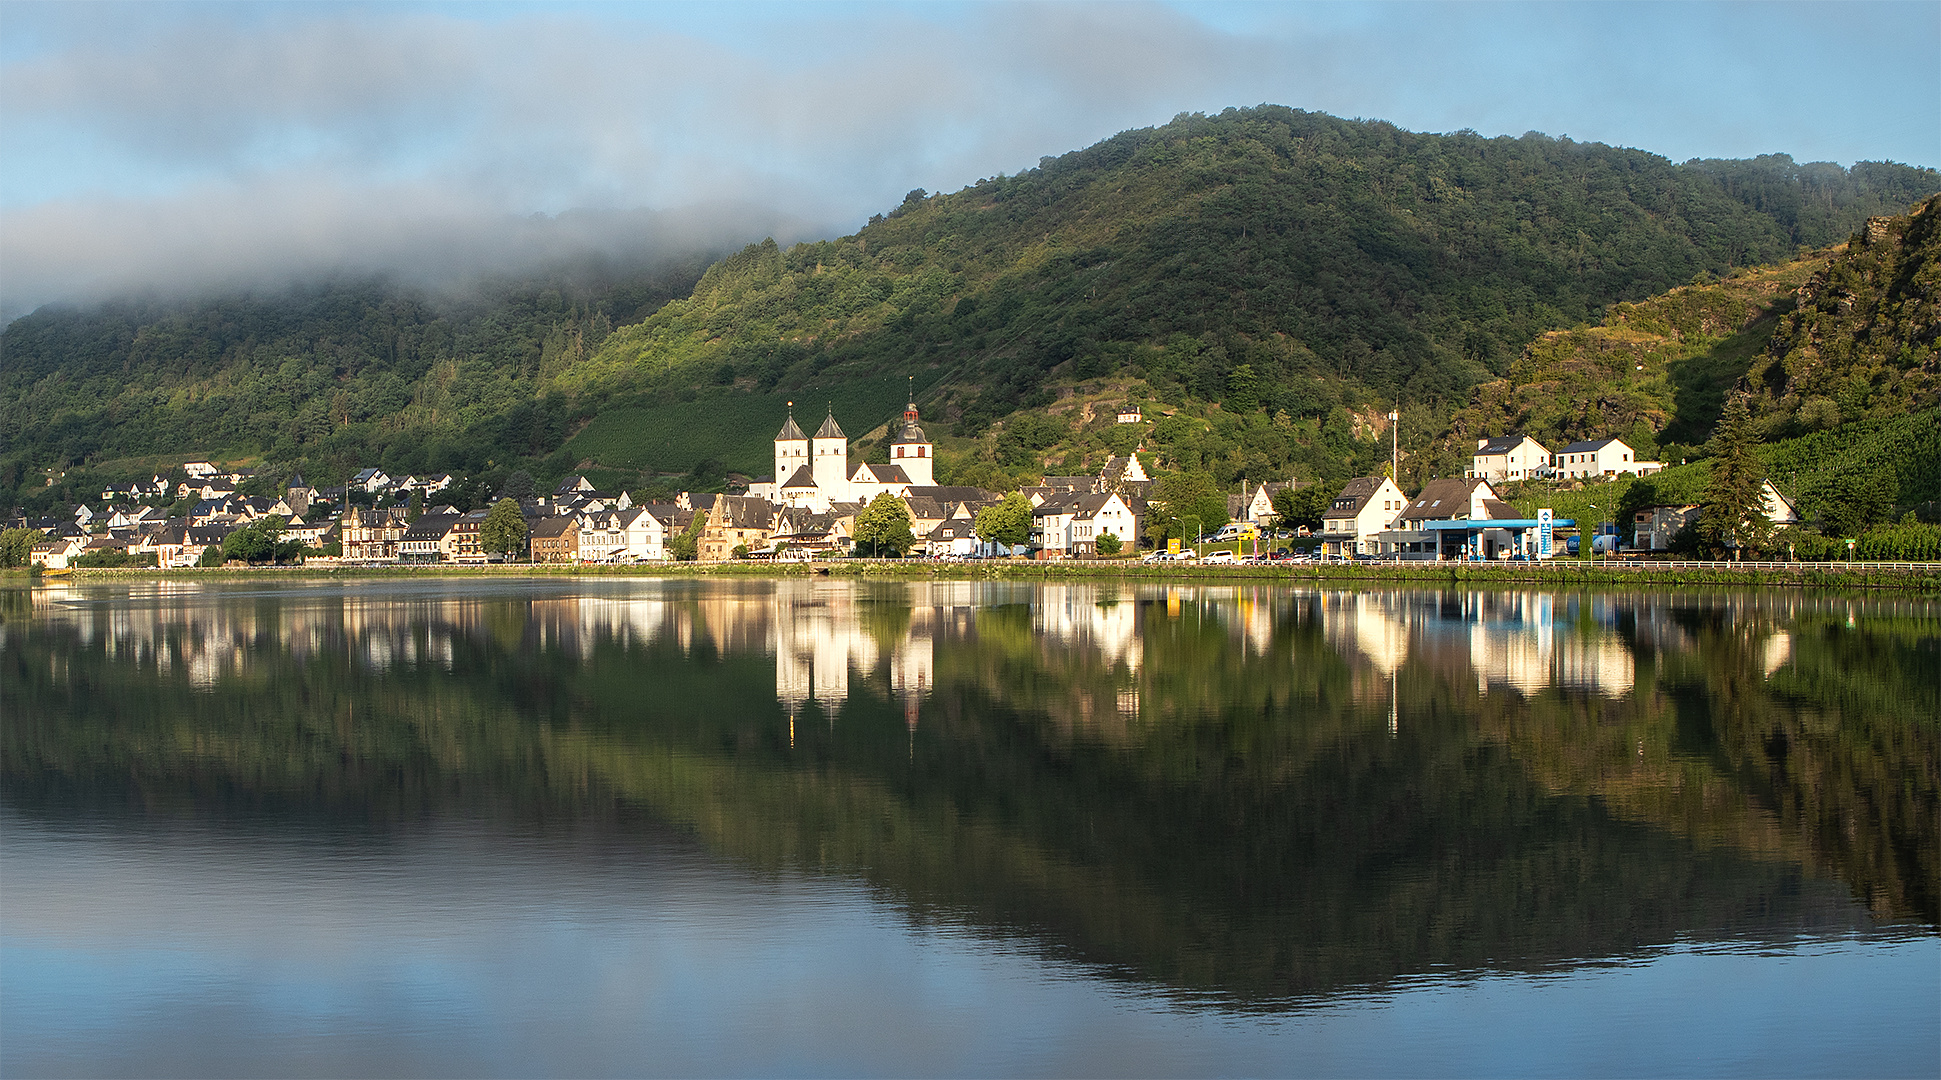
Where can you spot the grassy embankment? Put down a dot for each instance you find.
(1561, 573)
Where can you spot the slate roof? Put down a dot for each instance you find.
(789, 431)
(545, 528)
(1443, 499)
(829, 430)
(1591, 447)
(1502, 444)
(954, 493)
(801, 479)
(1354, 497)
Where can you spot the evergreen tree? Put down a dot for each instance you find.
(503, 532)
(1732, 515)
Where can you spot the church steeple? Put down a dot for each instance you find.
(910, 449)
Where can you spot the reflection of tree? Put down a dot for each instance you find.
(1229, 812)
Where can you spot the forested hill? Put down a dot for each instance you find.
(1264, 258)
(1298, 245)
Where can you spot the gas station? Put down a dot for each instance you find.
(1467, 539)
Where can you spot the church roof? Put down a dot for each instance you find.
(910, 432)
(801, 479)
(829, 430)
(789, 431)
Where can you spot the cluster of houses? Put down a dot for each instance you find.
(810, 504)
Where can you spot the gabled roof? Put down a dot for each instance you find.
(1354, 496)
(801, 479)
(1445, 499)
(829, 430)
(954, 493)
(743, 512)
(431, 527)
(548, 528)
(1592, 446)
(890, 474)
(1498, 510)
(789, 432)
(1071, 483)
(1503, 444)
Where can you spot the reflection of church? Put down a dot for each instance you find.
(814, 473)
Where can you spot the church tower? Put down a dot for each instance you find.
(831, 460)
(791, 450)
(912, 451)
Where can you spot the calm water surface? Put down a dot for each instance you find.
(827, 828)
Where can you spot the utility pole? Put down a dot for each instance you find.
(1395, 446)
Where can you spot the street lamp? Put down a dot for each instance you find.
(1594, 527)
(1197, 532)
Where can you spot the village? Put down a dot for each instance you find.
(810, 507)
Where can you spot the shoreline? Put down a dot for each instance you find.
(1923, 578)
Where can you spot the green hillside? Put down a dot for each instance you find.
(1263, 269)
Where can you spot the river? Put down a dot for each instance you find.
(813, 827)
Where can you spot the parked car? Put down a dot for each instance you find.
(1222, 556)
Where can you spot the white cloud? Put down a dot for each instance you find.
(241, 140)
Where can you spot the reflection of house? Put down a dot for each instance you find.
(1371, 625)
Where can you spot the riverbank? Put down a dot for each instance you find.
(1563, 574)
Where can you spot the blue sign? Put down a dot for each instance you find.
(1544, 519)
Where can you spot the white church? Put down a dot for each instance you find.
(814, 473)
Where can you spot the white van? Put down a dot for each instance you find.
(1220, 556)
(1236, 530)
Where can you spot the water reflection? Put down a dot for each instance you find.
(1259, 793)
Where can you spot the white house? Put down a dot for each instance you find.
(1600, 457)
(1509, 457)
(1365, 507)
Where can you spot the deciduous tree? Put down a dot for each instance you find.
(503, 532)
(883, 527)
(1006, 522)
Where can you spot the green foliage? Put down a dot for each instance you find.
(330, 378)
(261, 541)
(114, 559)
(685, 545)
(1862, 340)
(1907, 540)
(1185, 505)
(1007, 521)
(1732, 515)
(212, 556)
(17, 546)
(503, 532)
(1108, 544)
(1025, 437)
(883, 528)
(1297, 508)
(1806, 545)
(734, 431)
(1280, 262)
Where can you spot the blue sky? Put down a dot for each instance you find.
(164, 143)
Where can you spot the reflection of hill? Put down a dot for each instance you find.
(1194, 786)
